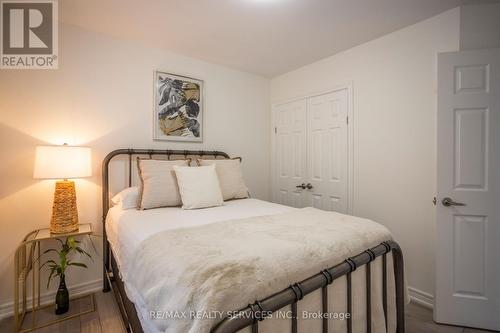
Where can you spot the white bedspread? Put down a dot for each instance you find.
(204, 266)
(126, 229)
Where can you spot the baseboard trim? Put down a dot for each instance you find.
(7, 309)
(421, 297)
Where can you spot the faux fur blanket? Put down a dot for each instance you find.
(227, 265)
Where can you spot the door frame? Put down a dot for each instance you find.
(350, 138)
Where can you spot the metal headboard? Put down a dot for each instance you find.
(105, 183)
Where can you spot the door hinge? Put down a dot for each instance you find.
(275, 130)
(347, 120)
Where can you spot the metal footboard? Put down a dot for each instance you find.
(256, 312)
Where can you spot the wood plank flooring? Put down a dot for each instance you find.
(419, 320)
(107, 319)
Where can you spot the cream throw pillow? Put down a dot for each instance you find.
(128, 198)
(230, 177)
(199, 186)
(158, 183)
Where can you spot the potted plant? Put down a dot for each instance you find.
(70, 246)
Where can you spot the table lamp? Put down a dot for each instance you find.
(63, 162)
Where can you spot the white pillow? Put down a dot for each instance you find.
(127, 198)
(199, 187)
(230, 177)
(158, 183)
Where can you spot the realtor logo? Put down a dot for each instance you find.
(29, 34)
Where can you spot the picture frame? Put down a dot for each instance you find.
(178, 108)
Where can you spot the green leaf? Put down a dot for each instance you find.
(49, 250)
(52, 271)
(48, 262)
(82, 251)
(79, 264)
(60, 241)
(71, 242)
(46, 251)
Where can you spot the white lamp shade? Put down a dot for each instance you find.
(62, 162)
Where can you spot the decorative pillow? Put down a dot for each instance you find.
(199, 186)
(158, 183)
(230, 177)
(127, 198)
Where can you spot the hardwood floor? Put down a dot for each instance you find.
(419, 320)
(106, 319)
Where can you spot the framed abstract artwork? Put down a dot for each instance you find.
(178, 108)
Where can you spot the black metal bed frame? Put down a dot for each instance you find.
(256, 312)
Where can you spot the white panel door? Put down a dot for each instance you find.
(468, 189)
(327, 153)
(290, 153)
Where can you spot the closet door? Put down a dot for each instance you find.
(290, 154)
(328, 151)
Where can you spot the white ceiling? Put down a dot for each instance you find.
(265, 37)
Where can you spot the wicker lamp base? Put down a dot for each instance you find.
(64, 212)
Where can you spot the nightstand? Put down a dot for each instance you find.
(26, 263)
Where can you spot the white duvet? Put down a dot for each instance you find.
(221, 259)
(126, 229)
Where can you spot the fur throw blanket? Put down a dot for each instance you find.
(224, 266)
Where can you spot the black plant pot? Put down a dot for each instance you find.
(62, 297)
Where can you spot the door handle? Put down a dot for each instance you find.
(449, 202)
(309, 186)
(302, 186)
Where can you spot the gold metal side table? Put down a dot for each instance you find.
(27, 263)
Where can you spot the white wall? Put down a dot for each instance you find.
(102, 96)
(480, 26)
(394, 83)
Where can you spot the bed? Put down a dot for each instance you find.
(361, 281)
